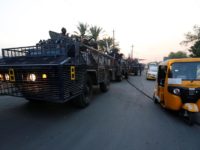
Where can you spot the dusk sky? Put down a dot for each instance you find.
(154, 27)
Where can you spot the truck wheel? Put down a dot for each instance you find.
(126, 75)
(32, 101)
(104, 86)
(119, 78)
(85, 98)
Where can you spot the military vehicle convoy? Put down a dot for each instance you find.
(57, 70)
(120, 66)
(134, 67)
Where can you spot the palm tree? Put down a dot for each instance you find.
(82, 29)
(95, 32)
(105, 44)
(109, 42)
(115, 52)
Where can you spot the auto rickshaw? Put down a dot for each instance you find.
(178, 86)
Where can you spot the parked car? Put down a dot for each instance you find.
(151, 73)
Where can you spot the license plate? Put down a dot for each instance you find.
(191, 91)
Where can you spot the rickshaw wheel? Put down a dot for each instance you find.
(162, 103)
(155, 100)
(190, 119)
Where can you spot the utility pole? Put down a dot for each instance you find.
(132, 51)
(113, 38)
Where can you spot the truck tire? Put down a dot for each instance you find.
(126, 75)
(85, 98)
(119, 78)
(104, 86)
(32, 101)
(136, 73)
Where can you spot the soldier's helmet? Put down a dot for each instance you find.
(63, 31)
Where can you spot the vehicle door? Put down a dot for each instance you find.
(161, 78)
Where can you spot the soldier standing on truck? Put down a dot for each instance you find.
(64, 32)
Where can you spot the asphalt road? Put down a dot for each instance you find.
(121, 119)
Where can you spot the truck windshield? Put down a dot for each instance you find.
(185, 70)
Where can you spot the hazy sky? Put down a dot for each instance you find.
(154, 27)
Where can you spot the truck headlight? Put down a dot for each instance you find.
(32, 77)
(1, 77)
(7, 77)
(176, 91)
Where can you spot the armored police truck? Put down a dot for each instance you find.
(56, 70)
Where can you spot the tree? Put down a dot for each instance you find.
(178, 54)
(105, 44)
(82, 29)
(95, 32)
(195, 49)
(115, 53)
(192, 37)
